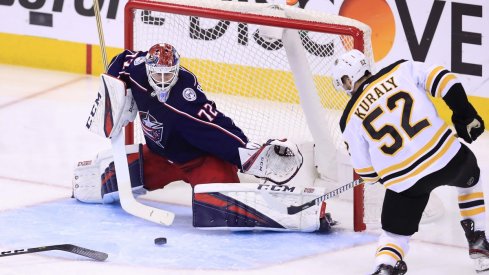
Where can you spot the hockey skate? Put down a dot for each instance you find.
(478, 245)
(399, 269)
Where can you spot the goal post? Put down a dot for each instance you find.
(266, 66)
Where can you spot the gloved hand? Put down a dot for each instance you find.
(276, 160)
(468, 129)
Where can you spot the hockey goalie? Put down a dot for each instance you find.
(189, 139)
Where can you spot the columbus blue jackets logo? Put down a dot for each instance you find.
(152, 128)
(189, 94)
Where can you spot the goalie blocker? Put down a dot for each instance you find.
(113, 108)
(250, 206)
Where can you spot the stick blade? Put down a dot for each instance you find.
(149, 213)
(291, 210)
(294, 209)
(89, 253)
(128, 202)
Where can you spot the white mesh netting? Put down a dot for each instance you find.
(248, 76)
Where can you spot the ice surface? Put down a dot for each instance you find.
(129, 240)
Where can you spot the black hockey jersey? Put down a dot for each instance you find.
(187, 125)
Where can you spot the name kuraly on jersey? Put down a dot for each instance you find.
(392, 129)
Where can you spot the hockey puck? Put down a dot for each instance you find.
(160, 241)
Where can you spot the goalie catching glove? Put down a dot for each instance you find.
(113, 108)
(277, 160)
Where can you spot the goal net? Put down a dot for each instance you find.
(266, 66)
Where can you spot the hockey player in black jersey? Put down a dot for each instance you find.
(396, 138)
(188, 139)
(184, 132)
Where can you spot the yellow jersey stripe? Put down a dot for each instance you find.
(369, 176)
(431, 76)
(417, 155)
(380, 79)
(425, 165)
(471, 196)
(365, 170)
(388, 253)
(396, 248)
(444, 83)
(473, 212)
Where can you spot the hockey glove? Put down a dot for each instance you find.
(113, 109)
(468, 129)
(276, 160)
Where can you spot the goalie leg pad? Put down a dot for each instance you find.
(94, 180)
(249, 206)
(86, 181)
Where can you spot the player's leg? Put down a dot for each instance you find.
(469, 187)
(401, 215)
(472, 210)
(463, 173)
(472, 206)
(159, 171)
(209, 169)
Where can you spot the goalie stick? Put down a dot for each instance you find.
(127, 200)
(294, 209)
(92, 254)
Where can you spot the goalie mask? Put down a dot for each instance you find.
(162, 66)
(348, 69)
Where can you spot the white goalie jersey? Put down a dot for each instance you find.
(392, 129)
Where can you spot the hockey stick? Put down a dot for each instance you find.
(92, 254)
(128, 202)
(294, 209)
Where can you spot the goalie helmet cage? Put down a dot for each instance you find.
(235, 50)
